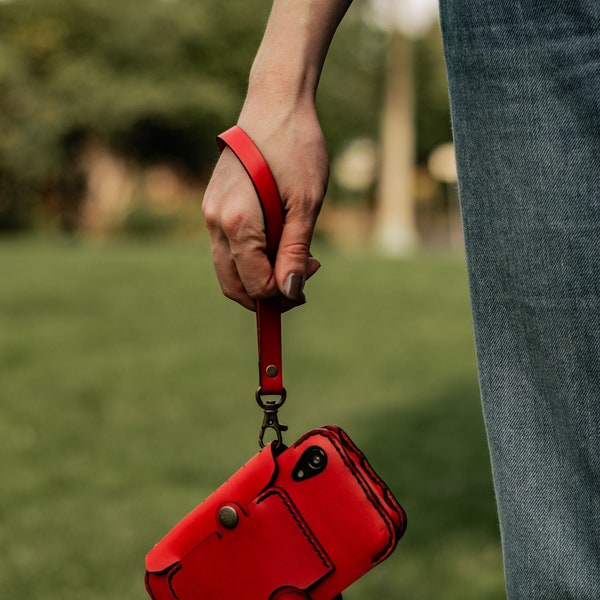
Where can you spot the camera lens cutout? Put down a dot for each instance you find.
(312, 462)
(316, 459)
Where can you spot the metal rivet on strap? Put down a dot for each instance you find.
(272, 371)
(228, 517)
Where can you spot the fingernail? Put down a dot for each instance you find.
(313, 266)
(292, 288)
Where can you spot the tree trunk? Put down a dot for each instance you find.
(395, 228)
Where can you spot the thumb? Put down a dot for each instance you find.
(294, 263)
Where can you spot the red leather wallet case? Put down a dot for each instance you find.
(302, 523)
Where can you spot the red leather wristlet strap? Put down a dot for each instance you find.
(262, 179)
(268, 311)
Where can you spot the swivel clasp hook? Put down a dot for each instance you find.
(271, 418)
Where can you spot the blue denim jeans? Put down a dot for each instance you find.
(524, 79)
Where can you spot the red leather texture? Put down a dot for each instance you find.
(268, 328)
(299, 534)
(264, 183)
(268, 312)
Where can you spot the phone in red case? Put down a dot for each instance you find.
(304, 522)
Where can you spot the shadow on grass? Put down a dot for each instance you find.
(435, 459)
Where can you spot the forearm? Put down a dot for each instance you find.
(279, 115)
(289, 61)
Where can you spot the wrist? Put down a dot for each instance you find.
(274, 103)
(285, 84)
(286, 69)
(290, 58)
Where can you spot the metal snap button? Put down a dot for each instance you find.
(228, 517)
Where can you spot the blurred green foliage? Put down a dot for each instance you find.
(156, 79)
(126, 71)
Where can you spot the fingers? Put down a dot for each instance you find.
(295, 265)
(227, 274)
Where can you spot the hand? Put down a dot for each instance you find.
(292, 143)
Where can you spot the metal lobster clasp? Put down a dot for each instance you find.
(271, 418)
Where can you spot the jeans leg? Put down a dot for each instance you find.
(524, 80)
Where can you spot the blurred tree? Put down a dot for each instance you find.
(112, 67)
(350, 91)
(395, 220)
(152, 79)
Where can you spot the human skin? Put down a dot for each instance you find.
(279, 115)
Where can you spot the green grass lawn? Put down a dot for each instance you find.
(126, 395)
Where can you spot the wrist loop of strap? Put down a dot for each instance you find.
(264, 183)
(268, 311)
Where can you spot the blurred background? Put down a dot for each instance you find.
(126, 380)
(109, 111)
